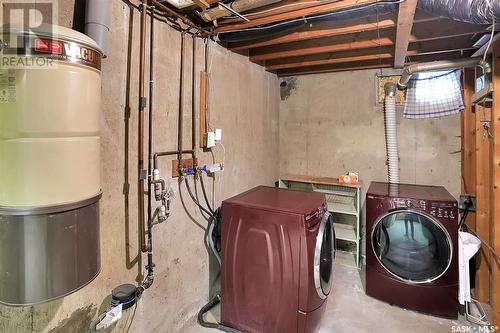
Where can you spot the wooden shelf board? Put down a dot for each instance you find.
(345, 232)
(342, 208)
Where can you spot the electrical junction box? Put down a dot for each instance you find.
(467, 200)
(209, 139)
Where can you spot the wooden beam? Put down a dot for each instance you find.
(196, 6)
(468, 142)
(483, 203)
(203, 114)
(353, 43)
(377, 63)
(328, 7)
(365, 54)
(336, 60)
(272, 9)
(202, 4)
(351, 66)
(495, 191)
(343, 43)
(403, 31)
(320, 30)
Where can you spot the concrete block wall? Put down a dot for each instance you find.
(329, 124)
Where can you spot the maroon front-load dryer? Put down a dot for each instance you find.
(411, 247)
(277, 260)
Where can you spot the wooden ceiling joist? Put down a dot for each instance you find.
(372, 64)
(331, 58)
(273, 9)
(418, 50)
(403, 31)
(359, 58)
(330, 29)
(425, 32)
(322, 8)
(363, 40)
(365, 24)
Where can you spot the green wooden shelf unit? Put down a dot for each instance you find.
(343, 201)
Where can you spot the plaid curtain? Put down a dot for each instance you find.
(434, 94)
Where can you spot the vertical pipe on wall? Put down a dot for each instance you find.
(193, 96)
(140, 127)
(150, 265)
(181, 108)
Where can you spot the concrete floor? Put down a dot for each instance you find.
(350, 310)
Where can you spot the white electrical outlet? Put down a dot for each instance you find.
(218, 134)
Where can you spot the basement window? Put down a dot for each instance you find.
(434, 94)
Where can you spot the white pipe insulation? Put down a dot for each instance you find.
(391, 134)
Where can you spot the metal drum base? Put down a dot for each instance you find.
(47, 253)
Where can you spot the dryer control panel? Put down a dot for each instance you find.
(441, 210)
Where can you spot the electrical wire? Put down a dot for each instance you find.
(133, 317)
(490, 248)
(223, 160)
(305, 19)
(205, 194)
(492, 31)
(468, 204)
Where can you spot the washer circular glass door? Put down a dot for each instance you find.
(412, 246)
(324, 256)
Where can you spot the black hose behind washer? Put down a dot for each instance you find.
(205, 194)
(212, 303)
(194, 199)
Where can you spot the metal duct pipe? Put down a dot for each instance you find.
(97, 22)
(391, 133)
(472, 11)
(238, 6)
(409, 71)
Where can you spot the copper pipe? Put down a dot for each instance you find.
(185, 20)
(140, 131)
(170, 153)
(193, 99)
(180, 129)
(149, 233)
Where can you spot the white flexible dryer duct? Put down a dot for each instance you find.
(391, 134)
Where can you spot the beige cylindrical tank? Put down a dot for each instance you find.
(49, 131)
(50, 101)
